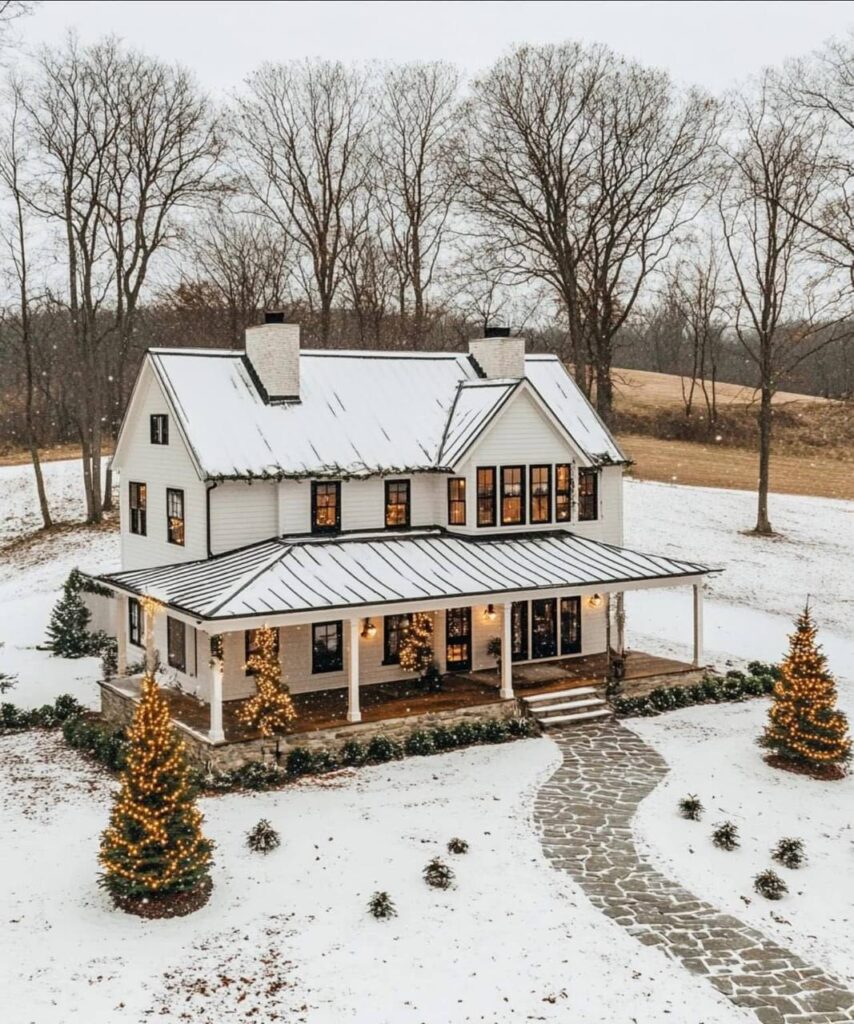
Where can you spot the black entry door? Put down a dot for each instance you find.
(519, 631)
(544, 628)
(570, 625)
(458, 639)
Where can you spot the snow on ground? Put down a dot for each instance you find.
(19, 506)
(289, 934)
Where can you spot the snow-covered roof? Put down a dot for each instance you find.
(360, 413)
(299, 575)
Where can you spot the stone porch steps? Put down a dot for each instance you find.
(566, 707)
(576, 691)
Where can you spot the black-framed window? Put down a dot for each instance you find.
(457, 501)
(393, 626)
(159, 428)
(325, 506)
(486, 496)
(519, 631)
(570, 625)
(135, 629)
(137, 503)
(563, 492)
(327, 647)
(175, 516)
(588, 493)
(512, 495)
(251, 646)
(397, 503)
(176, 643)
(541, 494)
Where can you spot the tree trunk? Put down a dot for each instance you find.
(763, 525)
(604, 392)
(40, 488)
(107, 505)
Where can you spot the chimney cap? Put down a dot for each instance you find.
(274, 316)
(496, 332)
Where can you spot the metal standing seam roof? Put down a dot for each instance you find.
(308, 575)
(360, 413)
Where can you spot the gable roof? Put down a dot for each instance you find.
(360, 413)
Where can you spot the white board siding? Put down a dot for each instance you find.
(159, 467)
(243, 514)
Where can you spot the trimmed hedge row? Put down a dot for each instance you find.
(93, 737)
(48, 716)
(758, 681)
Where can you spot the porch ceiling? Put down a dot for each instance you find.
(295, 577)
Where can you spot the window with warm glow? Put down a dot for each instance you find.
(457, 501)
(486, 496)
(563, 493)
(512, 495)
(541, 494)
(174, 516)
(137, 502)
(251, 646)
(397, 503)
(325, 506)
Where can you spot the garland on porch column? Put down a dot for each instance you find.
(416, 644)
(270, 709)
(154, 845)
(804, 725)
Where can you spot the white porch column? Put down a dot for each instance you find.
(216, 733)
(353, 712)
(507, 652)
(148, 607)
(121, 635)
(621, 624)
(698, 623)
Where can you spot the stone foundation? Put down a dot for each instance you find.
(117, 708)
(641, 687)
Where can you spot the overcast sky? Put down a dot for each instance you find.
(711, 44)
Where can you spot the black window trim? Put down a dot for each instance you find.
(567, 492)
(494, 517)
(407, 484)
(157, 420)
(134, 605)
(549, 495)
(182, 543)
(388, 658)
(170, 624)
(315, 668)
(522, 496)
(588, 473)
(456, 501)
(140, 510)
(325, 483)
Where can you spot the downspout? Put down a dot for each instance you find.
(208, 490)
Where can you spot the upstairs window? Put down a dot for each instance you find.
(457, 501)
(588, 494)
(512, 495)
(176, 643)
(251, 646)
(137, 504)
(175, 516)
(160, 428)
(397, 503)
(325, 506)
(134, 622)
(486, 496)
(393, 626)
(563, 493)
(541, 494)
(327, 647)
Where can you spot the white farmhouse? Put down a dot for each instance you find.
(332, 494)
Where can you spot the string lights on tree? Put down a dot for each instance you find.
(270, 709)
(805, 727)
(416, 644)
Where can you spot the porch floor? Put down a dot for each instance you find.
(327, 709)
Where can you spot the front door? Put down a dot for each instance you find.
(519, 631)
(544, 628)
(570, 625)
(458, 639)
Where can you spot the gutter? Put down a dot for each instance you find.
(208, 490)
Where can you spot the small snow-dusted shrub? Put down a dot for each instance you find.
(443, 738)
(495, 731)
(300, 761)
(438, 875)
(662, 699)
(381, 906)
(353, 754)
(419, 743)
(324, 761)
(463, 734)
(457, 845)
(263, 838)
(769, 884)
(725, 836)
(523, 727)
(763, 668)
(789, 852)
(256, 775)
(382, 749)
(690, 807)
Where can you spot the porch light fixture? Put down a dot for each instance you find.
(594, 601)
(370, 630)
(490, 614)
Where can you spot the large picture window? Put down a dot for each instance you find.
(327, 647)
(251, 646)
(563, 492)
(393, 626)
(135, 622)
(512, 495)
(325, 506)
(160, 428)
(137, 502)
(175, 516)
(176, 643)
(541, 494)
(588, 494)
(486, 496)
(397, 503)
(457, 501)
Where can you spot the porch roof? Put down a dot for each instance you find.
(295, 576)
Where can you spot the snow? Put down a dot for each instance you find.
(19, 507)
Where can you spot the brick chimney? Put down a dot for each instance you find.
(272, 349)
(499, 353)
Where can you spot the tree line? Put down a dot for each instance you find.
(569, 191)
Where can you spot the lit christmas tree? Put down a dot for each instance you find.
(804, 725)
(416, 644)
(68, 631)
(270, 709)
(153, 847)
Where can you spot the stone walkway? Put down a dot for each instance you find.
(584, 814)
